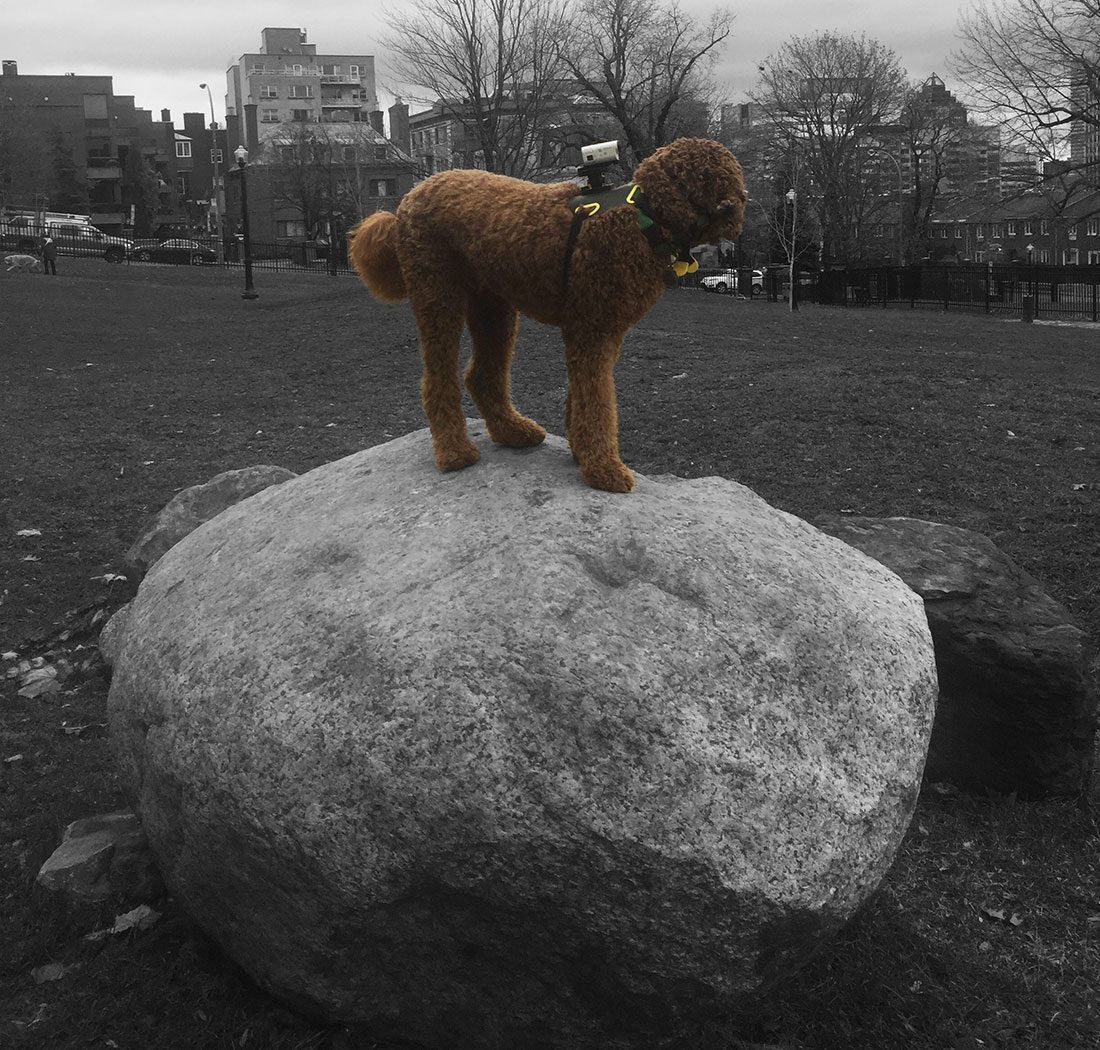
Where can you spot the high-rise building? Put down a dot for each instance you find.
(315, 136)
(1084, 128)
(286, 81)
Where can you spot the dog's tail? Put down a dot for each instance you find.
(373, 251)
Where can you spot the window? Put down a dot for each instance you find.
(1044, 255)
(1044, 227)
(979, 256)
(1071, 257)
(1094, 258)
(979, 232)
(183, 186)
(1027, 228)
(878, 230)
(1092, 227)
(958, 233)
(269, 91)
(301, 115)
(183, 148)
(290, 228)
(297, 69)
(943, 233)
(997, 232)
(349, 153)
(379, 187)
(301, 91)
(379, 152)
(269, 116)
(1073, 232)
(1012, 229)
(353, 71)
(329, 71)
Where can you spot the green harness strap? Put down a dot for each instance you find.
(588, 205)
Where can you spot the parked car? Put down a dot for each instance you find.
(178, 250)
(72, 236)
(81, 238)
(726, 281)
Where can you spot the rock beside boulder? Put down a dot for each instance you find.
(495, 760)
(102, 859)
(188, 509)
(1017, 710)
(114, 630)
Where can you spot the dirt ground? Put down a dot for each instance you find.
(119, 386)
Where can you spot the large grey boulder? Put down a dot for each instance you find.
(1017, 707)
(188, 509)
(495, 760)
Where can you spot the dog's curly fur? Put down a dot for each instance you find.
(469, 247)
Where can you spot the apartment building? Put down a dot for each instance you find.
(287, 81)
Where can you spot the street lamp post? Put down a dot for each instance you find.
(242, 161)
(215, 157)
(1029, 303)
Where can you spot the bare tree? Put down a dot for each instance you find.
(822, 97)
(647, 64)
(494, 67)
(1033, 66)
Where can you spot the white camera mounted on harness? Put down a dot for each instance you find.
(595, 160)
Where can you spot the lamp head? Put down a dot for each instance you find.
(242, 156)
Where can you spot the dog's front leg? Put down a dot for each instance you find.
(592, 420)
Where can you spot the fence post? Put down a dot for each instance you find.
(1094, 298)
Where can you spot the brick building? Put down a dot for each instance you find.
(88, 145)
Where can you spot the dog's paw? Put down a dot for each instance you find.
(516, 432)
(609, 477)
(456, 457)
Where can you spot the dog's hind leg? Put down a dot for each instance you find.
(439, 321)
(592, 419)
(493, 326)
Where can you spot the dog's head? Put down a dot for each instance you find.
(696, 190)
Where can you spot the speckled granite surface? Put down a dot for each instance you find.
(493, 759)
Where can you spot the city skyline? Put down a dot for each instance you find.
(161, 63)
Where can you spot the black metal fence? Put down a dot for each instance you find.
(1015, 289)
(1019, 289)
(284, 255)
(83, 239)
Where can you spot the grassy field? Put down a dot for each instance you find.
(121, 385)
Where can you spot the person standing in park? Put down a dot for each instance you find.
(49, 255)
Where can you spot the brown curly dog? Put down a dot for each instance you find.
(473, 248)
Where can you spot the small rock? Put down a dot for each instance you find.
(189, 509)
(102, 858)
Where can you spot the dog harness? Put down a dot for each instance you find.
(599, 202)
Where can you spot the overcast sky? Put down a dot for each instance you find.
(159, 51)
